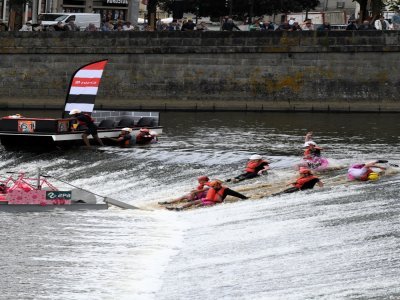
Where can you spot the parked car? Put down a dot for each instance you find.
(81, 20)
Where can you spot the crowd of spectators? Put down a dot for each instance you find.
(227, 24)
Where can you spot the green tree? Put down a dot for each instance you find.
(371, 8)
(393, 4)
(217, 8)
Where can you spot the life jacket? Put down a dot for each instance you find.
(215, 196)
(126, 141)
(253, 164)
(302, 181)
(143, 138)
(200, 187)
(309, 153)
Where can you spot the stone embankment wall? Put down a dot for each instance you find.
(346, 71)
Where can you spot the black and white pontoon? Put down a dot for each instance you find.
(41, 134)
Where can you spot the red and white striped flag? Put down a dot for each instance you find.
(83, 87)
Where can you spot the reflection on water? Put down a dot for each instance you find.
(339, 242)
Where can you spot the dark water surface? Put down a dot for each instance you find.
(339, 242)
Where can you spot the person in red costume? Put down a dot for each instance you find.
(256, 166)
(215, 194)
(198, 193)
(306, 181)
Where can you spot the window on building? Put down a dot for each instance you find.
(339, 4)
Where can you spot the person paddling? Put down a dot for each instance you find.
(216, 194)
(306, 181)
(85, 120)
(198, 193)
(256, 166)
(364, 172)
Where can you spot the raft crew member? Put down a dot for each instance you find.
(86, 120)
(312, 156)
(255, 166)
(154, 135)
(306, 181)
(124, 138)
(144, 137)
(215, 194)
(199, 193)
(312, 150)
(308, 137)
(364, 172)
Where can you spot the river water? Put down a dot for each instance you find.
(336, 242)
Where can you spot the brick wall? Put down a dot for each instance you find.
(338, 70)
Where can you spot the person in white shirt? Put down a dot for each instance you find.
(27, 26)
(128, 27)
(382, 24)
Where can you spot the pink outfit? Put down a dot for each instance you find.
(356, 171)
(205, 201)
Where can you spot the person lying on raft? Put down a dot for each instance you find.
(365, 172)
(198, 193)
(124, 138)
(215, 194)
(306, 181)
(255, 166)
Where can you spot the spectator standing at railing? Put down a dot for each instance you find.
(108, 26)
(27, 26)
(325, 27)
(118, 23)
(188, 26)
(366, 26)
(128, 27)
(352, 25)
(38, 26)
(91, 27)
(229, 25)
(267, 26)
(3, 26)
(202, 26)
(159, 25)
(174, 26)
(382, 24)
(296, 27)
(59, 26)
(255, 26)
(396, 20)
(308, 25)
(284, 27)
(71, 26)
